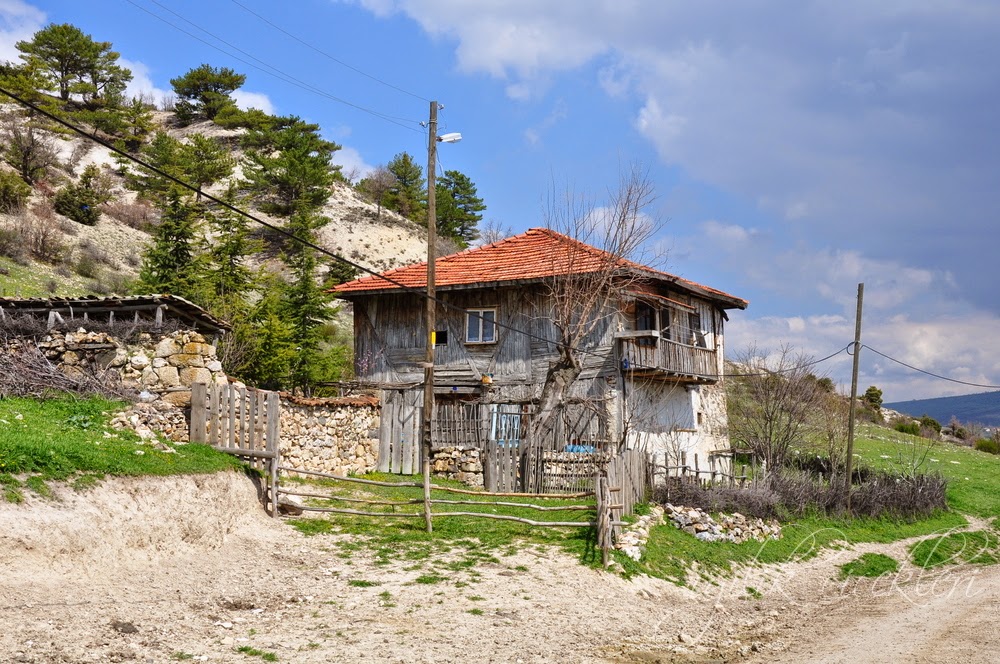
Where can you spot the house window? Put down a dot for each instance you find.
(697, 333)
(481, 326)
(441, 337)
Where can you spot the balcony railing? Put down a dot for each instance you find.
(647, 351)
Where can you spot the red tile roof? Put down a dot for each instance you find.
(535, 255)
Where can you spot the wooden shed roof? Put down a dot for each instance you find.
(143, 306)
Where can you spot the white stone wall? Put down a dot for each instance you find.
(337, 436)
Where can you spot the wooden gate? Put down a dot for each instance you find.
(399, 431)
(241, 421)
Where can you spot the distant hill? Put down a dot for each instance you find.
(983, 408)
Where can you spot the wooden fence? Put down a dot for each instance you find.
(241, 421)
(715, 475)
(619, 484)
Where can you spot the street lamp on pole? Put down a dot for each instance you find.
(432, 140)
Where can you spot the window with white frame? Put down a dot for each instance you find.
(481, 326)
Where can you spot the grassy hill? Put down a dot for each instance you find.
(983, 408)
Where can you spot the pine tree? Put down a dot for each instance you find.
(163, 152)
(204, 91)
(73, 62)
(288, 166)
(204, 161)
(227, 276)
(458, 208)
(407, 195)
(171, 264)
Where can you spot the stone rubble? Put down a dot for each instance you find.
(632, 540)
(458, 463)
(729, 528)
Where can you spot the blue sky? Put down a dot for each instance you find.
(797, 148)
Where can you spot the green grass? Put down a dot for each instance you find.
(36, 280)
(458, 544)
(67, 438)
(973, 476)
(978, 547)
(250, 651)
(361, 583)
(870, 565)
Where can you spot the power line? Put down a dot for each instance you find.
(327, 55)
(270, 226)
(787, 369)
(929, 373)
(276, 73)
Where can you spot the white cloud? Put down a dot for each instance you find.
(353, 163)
(142, 82)
(18, 21)
(246, 99)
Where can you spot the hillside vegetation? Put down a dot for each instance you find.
(79, 218)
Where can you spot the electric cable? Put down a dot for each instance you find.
(291, 236)
(327, 55)
(277, 73)
(929, 373)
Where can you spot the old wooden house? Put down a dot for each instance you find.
(652, 361)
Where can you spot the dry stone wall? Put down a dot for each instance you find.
(458, 463)
(337, 436)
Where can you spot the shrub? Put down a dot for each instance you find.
(79, 204)
(988, 445)
(14, 192)
(11, 245)
(912, 428)
(138, 215)
(793, 494)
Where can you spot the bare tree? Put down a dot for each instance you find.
(27, 149)
(588, 285)
(377, 185)
(492, 232)
(770, 402)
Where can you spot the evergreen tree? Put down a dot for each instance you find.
(163, 152)
(137, 122)
(407, 196)
(204, 161)
(458, 208)
(204, 91)
(72, 62)
(172, 263)
(227, 277)
(288, 166)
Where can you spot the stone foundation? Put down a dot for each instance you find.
(458, 463)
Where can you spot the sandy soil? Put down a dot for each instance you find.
(152, 570)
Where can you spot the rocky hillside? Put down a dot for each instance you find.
(44, 253)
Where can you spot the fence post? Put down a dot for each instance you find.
(603, 518)
(271, 436)
(199, 393)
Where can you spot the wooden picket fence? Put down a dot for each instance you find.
(242, 421)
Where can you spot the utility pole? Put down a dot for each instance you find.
(431, 314)
(854, 396)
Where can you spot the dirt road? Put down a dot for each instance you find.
(189, 569)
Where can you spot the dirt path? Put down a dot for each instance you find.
(189, 569)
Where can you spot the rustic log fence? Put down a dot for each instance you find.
(715, 475)
(244, 422)
(619, 484)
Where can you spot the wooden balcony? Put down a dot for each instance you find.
(645, 352)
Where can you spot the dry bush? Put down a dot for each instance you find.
(41, 233)
(794, 494)
(139, 215)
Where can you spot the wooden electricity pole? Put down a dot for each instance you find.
(854, 396)
(431, 312)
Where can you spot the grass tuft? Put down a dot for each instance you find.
(870, 565)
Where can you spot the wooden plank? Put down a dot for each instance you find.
(242, 451)
(231, 422)
(243, 433)
(385, 433)
(213, 414)
(199, 393)
(274, 404)
(398, 432)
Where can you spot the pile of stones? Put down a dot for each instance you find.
(729, 528)
(632, 540)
